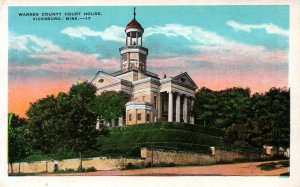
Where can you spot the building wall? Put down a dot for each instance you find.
(106, 81)
(130, 76)
(112, 88)
(134, 119)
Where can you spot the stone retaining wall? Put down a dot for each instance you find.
(161, 156)
(98, 162)
(150, 156)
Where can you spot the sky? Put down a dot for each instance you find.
(219, 46)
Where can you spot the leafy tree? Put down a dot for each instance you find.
(64, 121)
(83, 90)
(78, 125)
(18, 144)
(233, 107)
(268, 121)
(205, 106)
(222, 108)
(110, 105)
(42, 124)
(272, 112)
(236, 135)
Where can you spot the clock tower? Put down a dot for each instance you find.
(133, 54)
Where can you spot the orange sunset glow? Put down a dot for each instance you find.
(21, 95)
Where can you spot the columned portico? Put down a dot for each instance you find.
(178, 108)
(170, 108)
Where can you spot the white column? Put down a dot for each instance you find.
(192, 117)
(120, 121)
(130, 34)
(98, 124)
(170, 109)
(178, 108)
(185, 116)
(159, 103)
(112, 122)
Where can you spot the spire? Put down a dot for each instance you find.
(134, 13)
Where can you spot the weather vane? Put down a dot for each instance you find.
(134, 13)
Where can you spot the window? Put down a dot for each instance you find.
(139, 117)
(129, 117)
(155, 101)
(148, 117)
(144, 98)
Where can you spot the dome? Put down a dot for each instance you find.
(134, 24)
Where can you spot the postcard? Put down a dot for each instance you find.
(163, 90)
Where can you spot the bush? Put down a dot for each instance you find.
(130, 166)
(91, 169)
(80, 169)
(70, 170)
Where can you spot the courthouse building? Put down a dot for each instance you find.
(153, 99)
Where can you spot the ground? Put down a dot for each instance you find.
(239, 169)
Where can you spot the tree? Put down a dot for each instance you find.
(43, 124)
(110, 105)
(222, 108)
(78, 125)
(268, 121)
(205, 106)
(236, 135)
(18, 144)
(64, 121)
(83, 90)
(279, 115)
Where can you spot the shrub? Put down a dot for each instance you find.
(70, 170)
(80, 169)
(131, 166)
(91, 169)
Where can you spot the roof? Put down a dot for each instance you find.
(134, 24)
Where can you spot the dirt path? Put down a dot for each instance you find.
(242, 169)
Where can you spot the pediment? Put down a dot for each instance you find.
(185, 79)
(102, 79)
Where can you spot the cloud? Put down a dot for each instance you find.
(191, 33)
(214, 50)
(55, 59)
(31, 43)
(224, 55)
(269, 28)
(113, 33)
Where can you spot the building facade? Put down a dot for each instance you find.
(153, 99)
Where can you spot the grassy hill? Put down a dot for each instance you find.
(127, 141)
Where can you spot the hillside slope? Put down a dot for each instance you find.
(127, 141)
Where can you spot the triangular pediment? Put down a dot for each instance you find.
(102, 79)
(185, 79)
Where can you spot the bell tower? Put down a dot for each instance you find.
(133, 54)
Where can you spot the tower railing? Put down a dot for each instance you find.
(134, 47)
